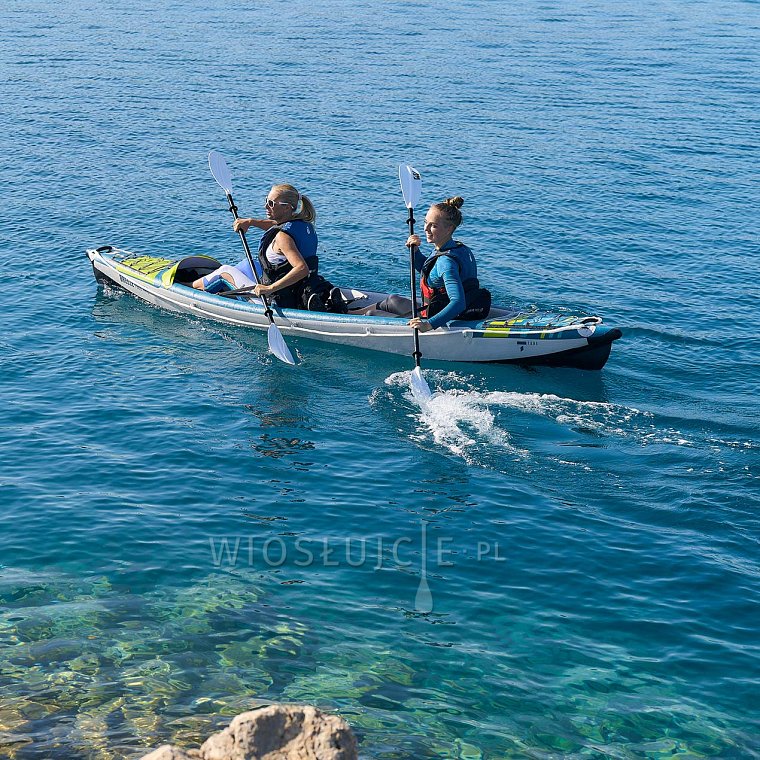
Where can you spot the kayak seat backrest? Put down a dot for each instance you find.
(193, 268)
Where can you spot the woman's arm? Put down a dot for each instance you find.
(286, 245)
(449, 270)
(246, 224)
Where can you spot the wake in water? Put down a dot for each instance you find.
(466, 421)
(456, 420)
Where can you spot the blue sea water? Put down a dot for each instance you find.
(549, 563)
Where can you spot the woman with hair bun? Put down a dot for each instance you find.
(449, 276)
(287, 259)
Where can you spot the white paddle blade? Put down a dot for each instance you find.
(220, 170)
(420, 388)
(278, 346)
(411, 184)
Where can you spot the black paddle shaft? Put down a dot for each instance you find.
(417, 354)
(234, 212)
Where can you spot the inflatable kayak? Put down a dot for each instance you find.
(505, 336)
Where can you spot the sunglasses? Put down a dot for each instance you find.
(271, 204)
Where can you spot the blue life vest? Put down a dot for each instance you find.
(305, 237)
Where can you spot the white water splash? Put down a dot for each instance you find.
(596, 417)
(599, 418)
(457, 420)
(462, 419)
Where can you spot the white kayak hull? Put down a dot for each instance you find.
(505, 336)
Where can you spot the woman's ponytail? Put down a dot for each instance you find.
(307, 213)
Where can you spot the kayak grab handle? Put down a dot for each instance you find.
(104, 249)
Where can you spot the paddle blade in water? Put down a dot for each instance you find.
(220, 170)
(277, 345)
(411, 184)
(420, 388)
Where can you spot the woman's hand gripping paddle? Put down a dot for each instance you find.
(221, 173)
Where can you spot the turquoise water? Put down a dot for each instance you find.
(191, 528)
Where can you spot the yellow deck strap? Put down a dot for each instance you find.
(501, 328)
(144, 268)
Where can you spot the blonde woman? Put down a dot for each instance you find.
(287, 251)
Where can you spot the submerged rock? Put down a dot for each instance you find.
(276, 732)
(167, 752)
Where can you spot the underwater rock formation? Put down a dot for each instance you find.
(167, 752)
(276, 732)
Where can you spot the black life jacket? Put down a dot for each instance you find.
(292, 296)
(435, 300)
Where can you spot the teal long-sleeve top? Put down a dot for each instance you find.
(449, 272)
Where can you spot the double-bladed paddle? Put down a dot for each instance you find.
(411, 186)
(221, 173)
